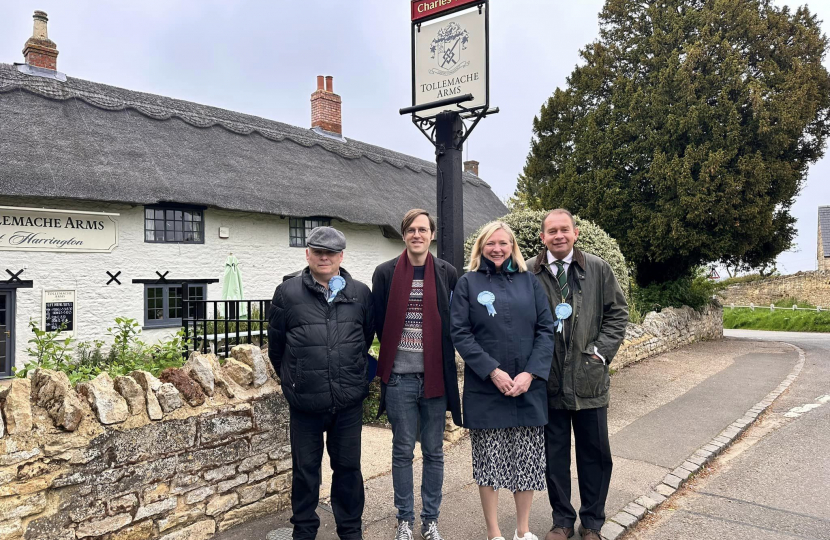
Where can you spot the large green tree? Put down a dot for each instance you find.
(686, 131)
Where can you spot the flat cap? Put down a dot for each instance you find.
(327, 238)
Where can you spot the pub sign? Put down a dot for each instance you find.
(450, 55)
(68, 231)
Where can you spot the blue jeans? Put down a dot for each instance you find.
(405, 406)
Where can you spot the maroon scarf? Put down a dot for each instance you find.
(393, 325)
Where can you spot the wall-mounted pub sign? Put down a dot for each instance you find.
(41, 229)
(58, 312)
(450, 55)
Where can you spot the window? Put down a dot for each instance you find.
(174, 225)
(300, 228)
(196, 310)
(164, 304)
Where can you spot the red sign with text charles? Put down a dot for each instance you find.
(421, 9)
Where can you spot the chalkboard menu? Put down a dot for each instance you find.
(59, 314)
(58, 309)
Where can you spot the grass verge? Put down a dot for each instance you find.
(785, 320)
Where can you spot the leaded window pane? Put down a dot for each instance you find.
(155, 303)
(174, 303)
(173, 225)
(300, 228)
(195, 292)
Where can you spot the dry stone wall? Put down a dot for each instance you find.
(670, 329)
(810, 287)
(199, 451)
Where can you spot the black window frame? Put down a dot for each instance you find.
(166, 321)
(177, 210)
(299, 227)
(11, 318)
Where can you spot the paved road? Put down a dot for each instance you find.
(662, 410)
(775, 483)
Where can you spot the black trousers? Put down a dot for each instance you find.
(343, 429)
(593, 465)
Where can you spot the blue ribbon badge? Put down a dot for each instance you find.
(486, 299)
(336, 284)
(563, 311)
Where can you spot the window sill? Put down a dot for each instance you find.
(161, 326)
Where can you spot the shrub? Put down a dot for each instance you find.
(127, 353)
(47, 350)
(526, 224)
(695, 290)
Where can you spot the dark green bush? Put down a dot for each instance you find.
(696, 291)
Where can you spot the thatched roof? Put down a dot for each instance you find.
(83, 140)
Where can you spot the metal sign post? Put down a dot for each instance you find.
(450, 84)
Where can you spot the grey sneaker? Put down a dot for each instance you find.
(429, 531)
(404, 531)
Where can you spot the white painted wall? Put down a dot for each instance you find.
(260, 242)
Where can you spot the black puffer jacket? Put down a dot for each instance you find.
(320, 349)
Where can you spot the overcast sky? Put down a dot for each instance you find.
(262, 58)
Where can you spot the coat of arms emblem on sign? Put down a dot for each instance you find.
(446, 49)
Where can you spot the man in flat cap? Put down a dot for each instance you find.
(320, 329)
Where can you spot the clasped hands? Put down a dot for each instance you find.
(511, 387)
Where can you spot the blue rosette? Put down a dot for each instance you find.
(486, 299)
(562, 312)
(336, 284)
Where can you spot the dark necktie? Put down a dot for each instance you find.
(562, 279)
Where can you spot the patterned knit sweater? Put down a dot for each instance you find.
(410, 355)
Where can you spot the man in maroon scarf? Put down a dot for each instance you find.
(411, 296)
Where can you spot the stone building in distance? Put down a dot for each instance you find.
(823, 253)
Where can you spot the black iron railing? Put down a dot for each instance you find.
(218, 325)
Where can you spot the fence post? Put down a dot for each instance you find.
(772, 307)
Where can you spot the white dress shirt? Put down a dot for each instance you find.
(567, 263)
(567, 260)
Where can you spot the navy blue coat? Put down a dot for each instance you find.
(519, 338)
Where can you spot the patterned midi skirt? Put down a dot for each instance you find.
(509, 458)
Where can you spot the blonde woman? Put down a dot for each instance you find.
(503, 329)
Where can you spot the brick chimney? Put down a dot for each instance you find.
(39, 50)
(471, 167)
(326, 106)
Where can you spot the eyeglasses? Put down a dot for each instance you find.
(422, 231)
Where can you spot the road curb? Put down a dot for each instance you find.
(616, 526)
